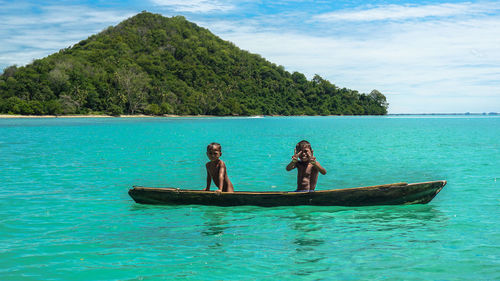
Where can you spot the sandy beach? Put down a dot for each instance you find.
(97, 116)
(53, 116)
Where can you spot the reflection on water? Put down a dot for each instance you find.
(213, 228)
(393, 218)
(308, 242)
(312, 242)
(214, 223)
(320, 231)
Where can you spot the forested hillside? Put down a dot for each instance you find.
(156, 65)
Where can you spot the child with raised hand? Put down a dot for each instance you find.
(216, 169)
(307, 167)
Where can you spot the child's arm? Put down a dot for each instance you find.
(318, 166)
(293, 163)
(209, 181)
(222, 173)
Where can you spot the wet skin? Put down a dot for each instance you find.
(216, 171)
(307, 169)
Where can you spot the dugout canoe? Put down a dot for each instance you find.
(387, 194)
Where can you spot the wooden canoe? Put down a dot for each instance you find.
(387, 194)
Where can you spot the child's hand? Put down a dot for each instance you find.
(296, 156)
(313, 160)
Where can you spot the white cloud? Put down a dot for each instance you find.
(32, 36)
(20, 58)
(433, 58)
(448, 65)
(195, 6)
(75, 15)
(83, 15)
(406, 12)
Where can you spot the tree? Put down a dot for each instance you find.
(58, 78)
(133, 83)
(10, 71)
(380, 100)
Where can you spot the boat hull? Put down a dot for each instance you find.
(389, 194)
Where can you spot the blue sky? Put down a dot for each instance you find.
(425, 56)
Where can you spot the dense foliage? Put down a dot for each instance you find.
(155, 65)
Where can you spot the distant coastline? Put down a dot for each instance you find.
(466, 113)
(13, 116)
(7, 116)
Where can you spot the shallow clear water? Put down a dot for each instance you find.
(65, 213)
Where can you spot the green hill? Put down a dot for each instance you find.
(156, 65)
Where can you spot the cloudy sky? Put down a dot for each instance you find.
(425, 56)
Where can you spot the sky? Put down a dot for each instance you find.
(424, 56)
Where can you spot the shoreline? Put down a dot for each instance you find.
(13, 116)
(18, 116)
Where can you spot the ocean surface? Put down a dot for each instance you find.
(65, 213)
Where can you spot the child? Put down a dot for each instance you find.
(216, 169)
(307, 167)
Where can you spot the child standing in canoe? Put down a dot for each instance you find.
(307, 167)
(216, 169)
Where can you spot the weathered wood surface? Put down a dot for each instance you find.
(388, 194)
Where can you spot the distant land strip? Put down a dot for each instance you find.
(8, 116)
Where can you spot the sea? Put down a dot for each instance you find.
(65, 213)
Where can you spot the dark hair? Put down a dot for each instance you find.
(302, 144)
(214, 146)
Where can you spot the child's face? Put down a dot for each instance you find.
(213, 154)
(306, 154)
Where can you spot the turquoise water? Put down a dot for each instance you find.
(65, 213)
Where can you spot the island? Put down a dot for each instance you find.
(154, 65)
